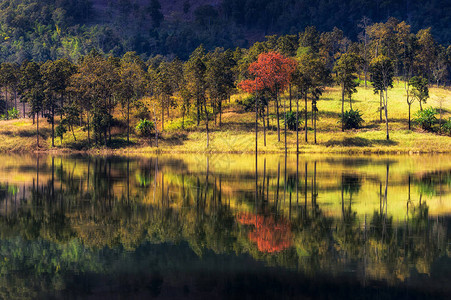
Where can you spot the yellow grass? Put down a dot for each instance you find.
(236, 134)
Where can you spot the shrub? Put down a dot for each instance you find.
(13, 113)
(145, 127)
(291, 120)
(60, 130)
(247, 103)
(426, 118)
(446, 127)
(352, 119)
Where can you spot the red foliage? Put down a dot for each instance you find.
(272, 71)
(270, 236)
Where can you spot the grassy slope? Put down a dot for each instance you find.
(237, 135)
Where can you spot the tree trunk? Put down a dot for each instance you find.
(206, 123)
(409, 117)
(314, 126)
(156, 127)
(380, 105)
(350, 103)
(162, 117)
(285, 125)
(62, 105)
(306, 115)
(198, 110)
(53, 125)
(128, 120)
(89, 135)
(220, 113)
(264, 131)
(289, 88)
(297, 123)
(256, 121)
(342, 107)
(267, 116)
(278, 120)
(386, 113)
(37, 129)
(183, 117)
(24, 113)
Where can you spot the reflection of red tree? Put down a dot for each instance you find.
(269, 235)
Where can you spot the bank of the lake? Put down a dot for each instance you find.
(19, 136)
(236, 132)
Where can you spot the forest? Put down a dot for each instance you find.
(53, 29)
(107, 98)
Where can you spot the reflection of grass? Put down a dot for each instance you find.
(236, 134)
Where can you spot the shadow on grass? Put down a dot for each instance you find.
(359, 142)
(176, 138)
(44, 133)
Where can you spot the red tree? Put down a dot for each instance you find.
(269, 235)
(272, 71)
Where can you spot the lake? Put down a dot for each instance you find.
(225, 226)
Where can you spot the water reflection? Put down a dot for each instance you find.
(161, 226)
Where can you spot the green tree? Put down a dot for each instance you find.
(132, 82)
(420, 90)
(382, 73)
(32, 87)
(219, 78)
(55, 75)
(345, 68)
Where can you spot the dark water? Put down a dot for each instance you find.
(221, 226)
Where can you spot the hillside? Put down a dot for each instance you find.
(49, 29)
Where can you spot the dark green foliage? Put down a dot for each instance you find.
(446, 127)
(426, 118)
(145, 127)
(291, 120)
(50, 29)
(60, 130)
(352, 119)
(248, 103)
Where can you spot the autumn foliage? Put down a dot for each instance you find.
(271, 70)
(270, 236)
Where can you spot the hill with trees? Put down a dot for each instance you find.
(52, 29)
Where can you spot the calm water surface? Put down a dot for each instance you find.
(225, 226)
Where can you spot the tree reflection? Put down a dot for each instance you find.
(85, 205)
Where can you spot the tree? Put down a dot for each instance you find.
(219, 78)
(9, 78)
(94, 85)
(32, 88)
(346, 68)
(420, 90)
(55, 75)
(271, 71)
(310, 78)
(195, 72)
(426, 52)
(363, 37)
(163, 87)
(132, 82)
(155, 13)
(382, 73)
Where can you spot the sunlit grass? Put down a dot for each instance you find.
(236, 133)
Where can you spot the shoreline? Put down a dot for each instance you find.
(166, 151)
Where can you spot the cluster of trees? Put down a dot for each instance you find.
(90, 91)
(52, 29)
